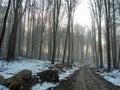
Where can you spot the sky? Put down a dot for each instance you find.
(82, 15)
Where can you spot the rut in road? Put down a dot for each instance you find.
(85, 79)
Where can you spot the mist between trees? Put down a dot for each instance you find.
(45, 29)
(42, 29)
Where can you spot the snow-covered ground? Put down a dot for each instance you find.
(113, 76)
(43, 86)
(3, 88)
(9, 69)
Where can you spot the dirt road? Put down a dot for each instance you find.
(85, 79)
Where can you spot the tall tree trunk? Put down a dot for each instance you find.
(13, 36)
(114, 37)
(99, 35)
(67, 33)
(41, 42)
(4, 24)
(54, 33)
(28, 32)
(69, 44)
(72, 45)
(12, 41)
(56, 12)
(42, 29)
(107, 11)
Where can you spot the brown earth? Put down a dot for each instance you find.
(85, 79)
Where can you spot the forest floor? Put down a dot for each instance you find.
(9, 69)
(85, 79)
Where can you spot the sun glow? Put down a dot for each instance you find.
(82, 15)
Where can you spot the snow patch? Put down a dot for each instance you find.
(3, 88)
(9, 69)
(113, 76)
(43, 86)
(67, 73)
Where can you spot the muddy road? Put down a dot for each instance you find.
(85, 79)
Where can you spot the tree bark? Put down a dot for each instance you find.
(114, 37)
(107, 11)
(4, 24)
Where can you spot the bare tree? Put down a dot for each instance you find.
(70, 6)
(4, 24)
(12, 41)
(107, 18)
(114, 37)
(94, 19)
(56, 12)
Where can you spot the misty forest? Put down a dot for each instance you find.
(43, 45)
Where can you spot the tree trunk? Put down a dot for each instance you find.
(100, 39)
(114, 38)
(107, 11)
(4, 24)
(56, 12)
(12, 41)
(67, 33)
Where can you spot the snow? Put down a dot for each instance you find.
(113, 76)
(70, 71)
(67, 73)
(9, 69)
(43, 86)
(3, 88)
